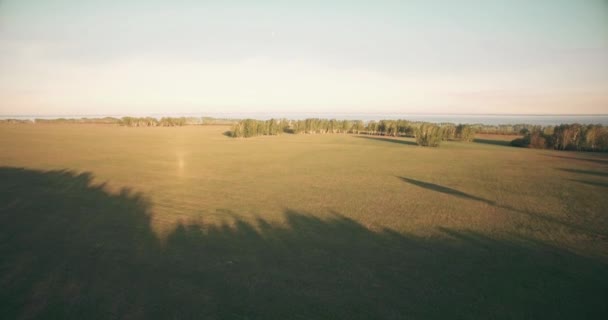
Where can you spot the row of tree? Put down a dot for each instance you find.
(503, 129)
(153, 122)
(575, 137)
(13, 121)
(250, 128)
(431, 135)
(172, 121)
(130, 121)
(426, 134)
(105, 120)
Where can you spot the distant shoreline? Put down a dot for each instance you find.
(485, 119)
(213, 114)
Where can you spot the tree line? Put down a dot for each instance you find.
(152, 122)
(105, 120)
(574, 137)
(426, 134)
(172, 121)
(129, 121)
(502, 129)
(250, 128)
(19, 121)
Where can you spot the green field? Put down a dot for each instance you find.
(101, 221)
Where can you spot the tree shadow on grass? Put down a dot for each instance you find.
(502, 143)
(384, 139)
(537, 215)
(598, 159)
(72, 250)
(588, 172)
(446, 190)
(592, 183)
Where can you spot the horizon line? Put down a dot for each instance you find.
(203, 114)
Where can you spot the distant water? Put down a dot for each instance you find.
(543, 120)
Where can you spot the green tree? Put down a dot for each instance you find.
(237, 130)
(465, 132)
(428, 135)
(372, 127)
(358, 126)
(449, 132)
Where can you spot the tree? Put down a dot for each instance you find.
(537, 140)
(237, 130)
(449, 132)
(465, 132)
(358, 126)
(273, 127)
(372, 127)
(391, 128)
(428, 135)
(382, 127)
(345, 126)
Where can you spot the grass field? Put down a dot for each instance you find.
(101, 221)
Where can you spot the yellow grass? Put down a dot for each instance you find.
(196, 173)
(101, 221)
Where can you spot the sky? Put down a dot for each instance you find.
(60, 57)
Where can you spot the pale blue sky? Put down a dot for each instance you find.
(108, 57)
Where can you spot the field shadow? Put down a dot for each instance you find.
(502, 143)
(592, 183)
(392, 140)
(597, 160)
(537, 215)
(587, 172)
(72, 250)
(446, 190)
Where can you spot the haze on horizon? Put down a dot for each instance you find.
(491, 57)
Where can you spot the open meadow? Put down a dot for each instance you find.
(102, 221)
